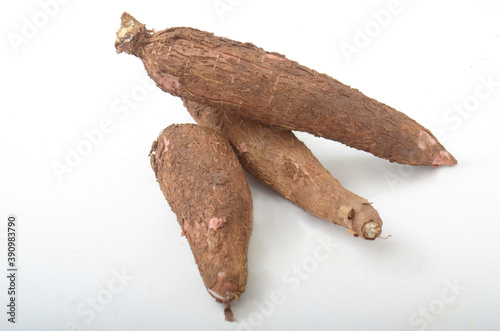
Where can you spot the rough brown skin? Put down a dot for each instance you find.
(204, 184)
(279, 159)
(269, 88)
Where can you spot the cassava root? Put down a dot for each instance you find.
(279, 159)
(204, 184)
(269, 88)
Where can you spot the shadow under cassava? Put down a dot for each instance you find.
(367, 174)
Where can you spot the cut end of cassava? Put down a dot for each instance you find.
(227, 297)
(361, 220)
(371, 230)
(128, 34)
(224, 290)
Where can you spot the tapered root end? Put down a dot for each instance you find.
(431, 149)
(371, 230)
(361, 220)
(128, 34)
(228, 313)
(444, 159)
(224, 290)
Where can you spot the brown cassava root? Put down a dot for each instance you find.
(282, 161)
(204, 184)
(269, 88)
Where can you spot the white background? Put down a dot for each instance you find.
(105, 215)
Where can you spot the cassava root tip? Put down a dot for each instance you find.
(130, 30)
(246, 80)
(228, 313)
(371, 230)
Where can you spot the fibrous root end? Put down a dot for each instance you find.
(228, 313)
(371, 230)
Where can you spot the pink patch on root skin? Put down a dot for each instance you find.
(425, 139)
(187, 230)
(443, 159)
(215, 223)
(222, 289)
(243, 147)
(169, 83)
(214, 145)
(274, 57)
(165, 144)
(163, 80)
